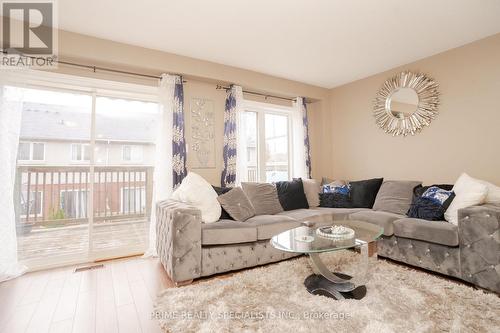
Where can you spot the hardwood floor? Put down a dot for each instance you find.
(116, 298)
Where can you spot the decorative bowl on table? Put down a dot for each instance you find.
(335, 232)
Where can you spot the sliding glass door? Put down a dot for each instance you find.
(84, 179)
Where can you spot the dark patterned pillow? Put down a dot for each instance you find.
(342, 189)
(431, 202)
(335, 200)
(221, 190)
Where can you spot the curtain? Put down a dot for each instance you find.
(10, 128)
(233, 152)
(301, 147)
(169, 141)
(178, 141)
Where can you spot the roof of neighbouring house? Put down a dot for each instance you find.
(59, 122)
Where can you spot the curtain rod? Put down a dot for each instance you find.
(220, 87)
(111, 70)
(104, 69)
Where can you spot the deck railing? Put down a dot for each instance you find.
(55, 196)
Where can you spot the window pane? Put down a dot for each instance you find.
(136, 155)
(250, 128)
(24, 151)
(276, 147)
(86, 152)
(126, 153)
(34, 201)
(38, 151)
(51, 226)
(75, 152)
(125, 132)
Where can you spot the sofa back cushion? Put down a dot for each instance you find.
(395, 196)
(312, 189)
(264, 198)
(291, 194)
(237, 204)
(364, 192)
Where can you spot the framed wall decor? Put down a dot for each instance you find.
(202, 140)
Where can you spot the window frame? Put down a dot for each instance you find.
(132, 160)
(31, 151)
(142, 193)
(82, 152)
(78, 207)
(261, 109)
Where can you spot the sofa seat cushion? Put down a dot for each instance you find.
(382, 219)
(339, 213)
(311, 215)
(227, 232)
(439, 232)
(269, 225)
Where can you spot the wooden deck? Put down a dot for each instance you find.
(43, 243)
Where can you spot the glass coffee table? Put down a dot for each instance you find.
(305, 239)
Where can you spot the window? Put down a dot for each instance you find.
(266, 130)
(80, 152)
(32, 203)
(73, 204)
(31, 151)
(132, 153)
(133, 200)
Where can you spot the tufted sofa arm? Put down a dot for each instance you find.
(178, 241)
(479, 237)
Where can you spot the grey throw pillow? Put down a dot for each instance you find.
(395, 196)
(264, 198)
(312, 189)
(237, 204)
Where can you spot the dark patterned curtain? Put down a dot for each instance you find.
(229, 152)
(178, 140)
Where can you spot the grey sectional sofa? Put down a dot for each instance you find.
(189, 249)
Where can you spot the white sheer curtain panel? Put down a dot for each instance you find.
(241, 144)
(163, 181)
(299, 169)
(10, 126)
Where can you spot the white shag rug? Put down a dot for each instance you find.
(274, 299)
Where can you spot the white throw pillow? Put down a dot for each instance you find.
(493, 196)
(198, 192)
(469, 192)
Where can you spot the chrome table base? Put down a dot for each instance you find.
(335, 285)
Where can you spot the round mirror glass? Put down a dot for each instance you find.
(402, 102)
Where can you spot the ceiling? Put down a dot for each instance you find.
(321, 42)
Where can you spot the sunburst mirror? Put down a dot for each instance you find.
(406, 103)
